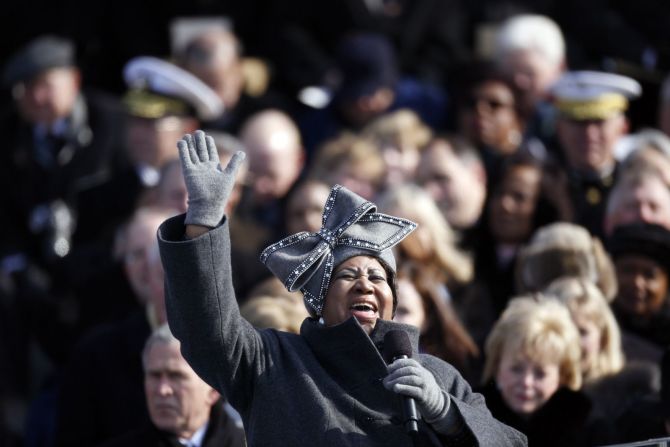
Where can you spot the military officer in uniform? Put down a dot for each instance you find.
(591, 121)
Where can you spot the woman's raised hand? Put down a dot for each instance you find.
(208, 186)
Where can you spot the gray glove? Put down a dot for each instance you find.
(409, 378)
(207, 185)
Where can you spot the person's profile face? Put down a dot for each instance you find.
(172, 190)
(400, 161)
(590, 340)
(213, 58)
(647, 202)
(358, 288)
(410, 308)
(525, 384)
(453, 186)
(49, 96)
(588, 145)
(357, 178)
(151, 142)
(178, 401)
(643, 285)
(532, 73)
(513, 204)
(274, 166)
(139, 240)
(304, 209)
(488, 116)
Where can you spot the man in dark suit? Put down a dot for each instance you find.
(62, 151)
(100, 392)
(62, 147)
(183, 409)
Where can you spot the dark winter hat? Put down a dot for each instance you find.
(645, 239)
(367, 62)
(38, 55)
(350, 227)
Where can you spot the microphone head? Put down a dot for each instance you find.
(396, 344)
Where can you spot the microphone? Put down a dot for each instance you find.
(398, 346)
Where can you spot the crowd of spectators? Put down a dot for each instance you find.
(529, 140)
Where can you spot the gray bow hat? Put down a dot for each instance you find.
(350, 227)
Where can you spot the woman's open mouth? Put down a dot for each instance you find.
(364, 311)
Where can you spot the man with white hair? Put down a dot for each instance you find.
(640, 195)
(531, 49)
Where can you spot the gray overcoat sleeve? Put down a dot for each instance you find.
(220, 345)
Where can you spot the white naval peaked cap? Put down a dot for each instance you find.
(160, 77)
(586, 95)
(591, 84)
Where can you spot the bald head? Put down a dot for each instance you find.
(275, 153)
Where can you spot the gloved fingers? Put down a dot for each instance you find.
(211, 149)
(408, 390)
(184, 155)
(234, 163)
(201, 146)
(191, 148)
(400, 363)
(412, 380)
(405, 370)
(407, 376)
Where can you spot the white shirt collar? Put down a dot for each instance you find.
(197, 438)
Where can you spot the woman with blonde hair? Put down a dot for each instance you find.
(610, 382)
(400, 136)
(351, 161)
(564, 249)
(433, 244)
(600, 336)
(533, 376)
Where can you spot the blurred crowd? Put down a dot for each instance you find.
(529, 141)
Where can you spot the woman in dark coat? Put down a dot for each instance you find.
(641, 254)
(524, 197)
(532, 375)
(329, 385)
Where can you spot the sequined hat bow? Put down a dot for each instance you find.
(350, 227)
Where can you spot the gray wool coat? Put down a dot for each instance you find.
(320, 388)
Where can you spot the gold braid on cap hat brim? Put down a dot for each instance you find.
(145, 104)
(603, 107)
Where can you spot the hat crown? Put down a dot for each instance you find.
(42, 53)
(585, 85)
(593, 95)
